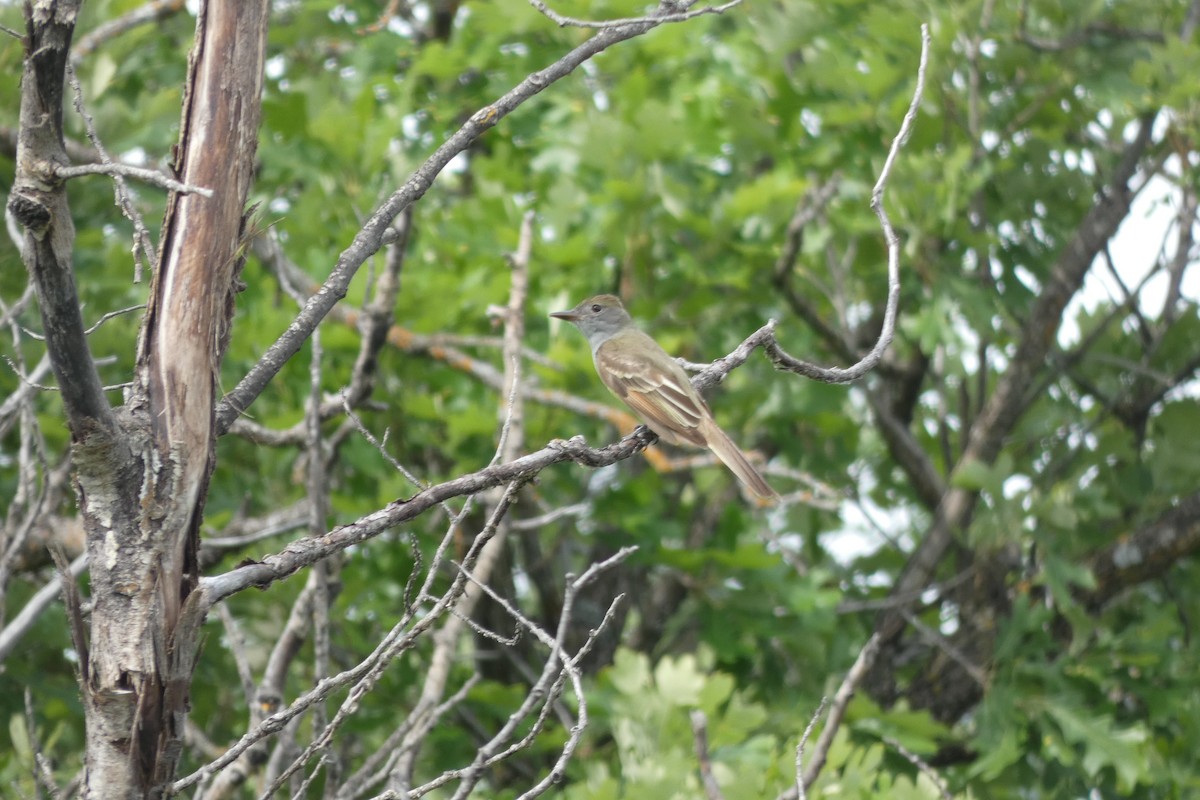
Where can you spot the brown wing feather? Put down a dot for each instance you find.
(655, 387)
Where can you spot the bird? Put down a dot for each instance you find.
(641, 374)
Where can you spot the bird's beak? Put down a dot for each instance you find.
(569, 316)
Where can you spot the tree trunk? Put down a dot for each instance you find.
(142, 471)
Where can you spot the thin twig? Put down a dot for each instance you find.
(150, 176)
(544, 691)
(12, 633)
(533, 523)
(712, 789)
(947, 647)
(110, 315)
(922, 765)
(572, 22)
(141, 234)
(783, 360)
(151, 12)
(837, 712)
(801, 790)
(43, 775)
(237, 646)
(384, 653)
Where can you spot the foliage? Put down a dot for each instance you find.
(667, 170)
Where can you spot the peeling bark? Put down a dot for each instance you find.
(142, 471)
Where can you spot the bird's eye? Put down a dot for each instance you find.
(595, 308)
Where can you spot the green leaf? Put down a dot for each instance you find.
(1104, 744)
(19, 737)
(678, 680)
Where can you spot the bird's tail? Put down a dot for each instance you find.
(736, 460)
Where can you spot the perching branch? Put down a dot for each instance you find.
(786, 362)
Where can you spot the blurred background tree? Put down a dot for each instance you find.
(1006, 510)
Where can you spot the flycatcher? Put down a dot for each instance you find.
(650, 382)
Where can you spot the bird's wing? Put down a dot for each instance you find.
(655, 387)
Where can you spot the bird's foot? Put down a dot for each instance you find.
(645, 436)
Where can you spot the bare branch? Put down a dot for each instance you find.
(248, 530)
(947, 647)
(142, 245)
(512, 441)
(783, 360)
(1000, 412)
(39, 202)
(545, 690)
(837, 711)
(922, 765)
(533, 523)
(237, 646)
(1148, 551)
(112, 315)
(152, 11)
(712, 790)
(43, 775)
(150, 176)
(572, 22)
(440, 662)
(20, 396)
(801, 791)
(11, 635)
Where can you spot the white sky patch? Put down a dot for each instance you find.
(852, 541)
(811, 121)
(1149, 233)
(457, 165)
(592, 80)
(275, 67)
(399, 26)
(861, 535)
(1016, 485)
(341, 13)
(410, 126)
(135, 156)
